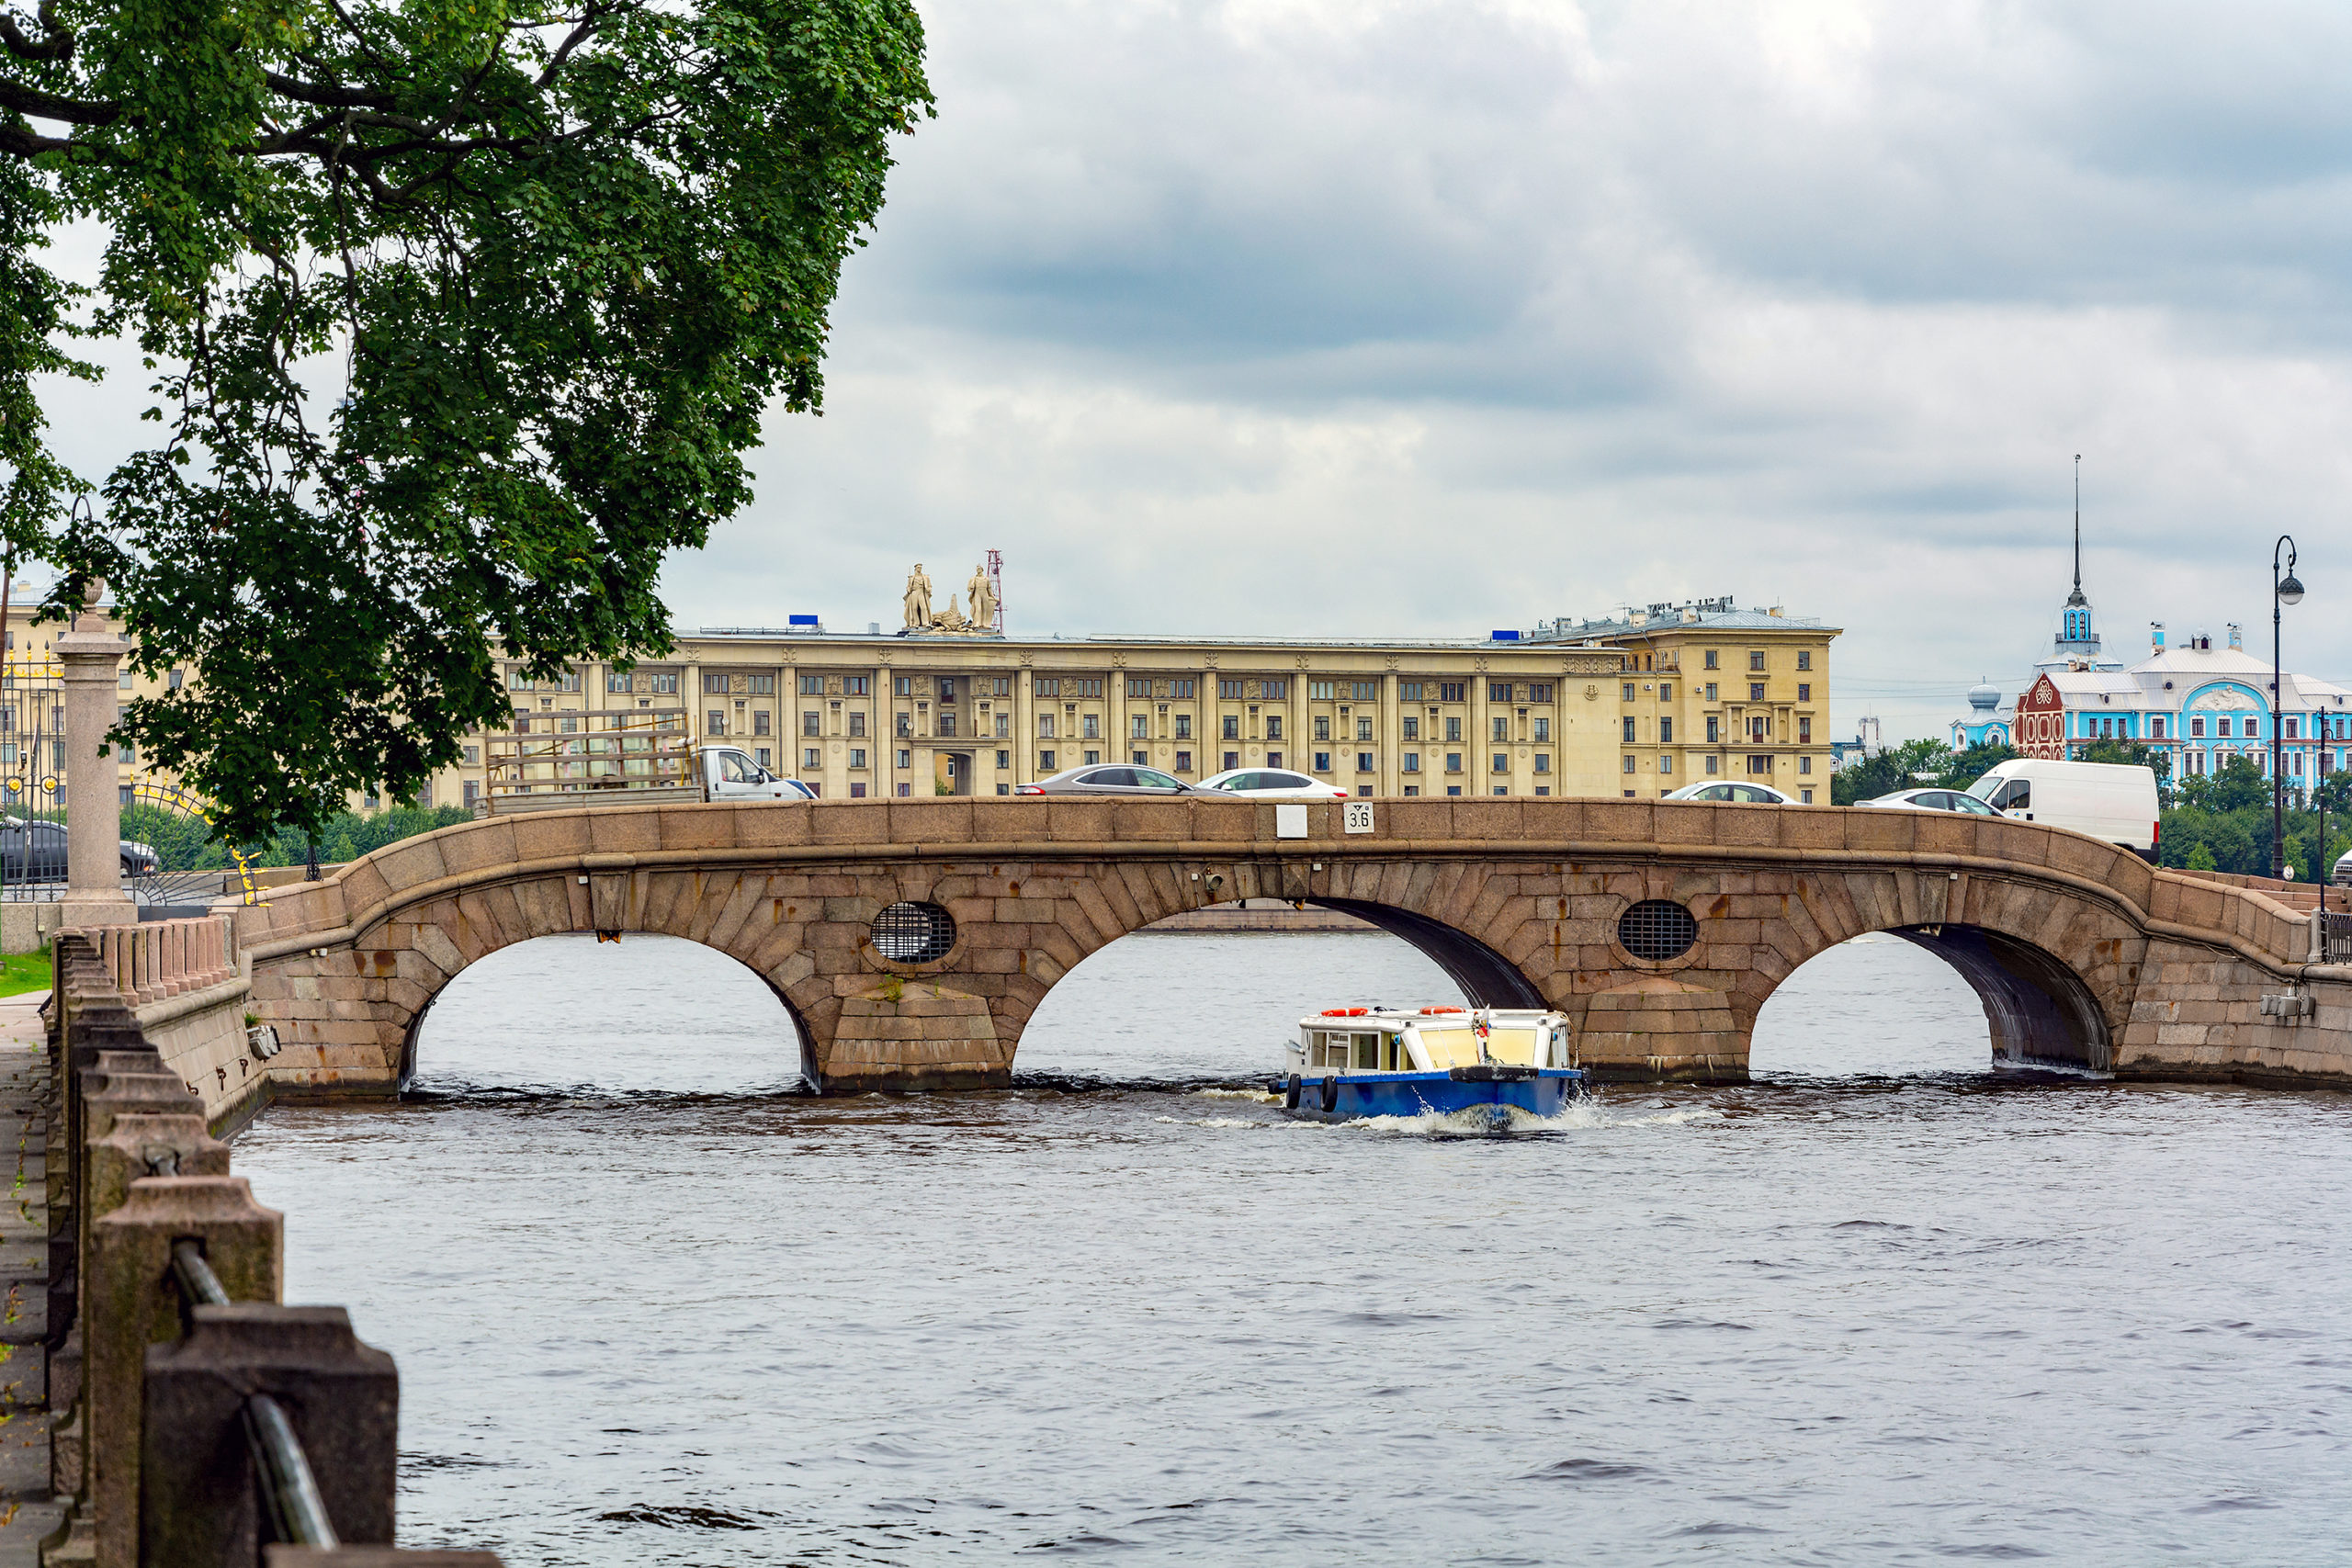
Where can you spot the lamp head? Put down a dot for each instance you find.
(2290, 591)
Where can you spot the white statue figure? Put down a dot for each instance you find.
(918, 601)
(983, 600)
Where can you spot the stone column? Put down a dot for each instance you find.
(92, 654)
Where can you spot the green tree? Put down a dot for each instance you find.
(461, 316)
(2201, 859)
(1907, 766)
(1966, 767)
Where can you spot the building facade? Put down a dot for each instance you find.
(1636, 705)
(2196, 705)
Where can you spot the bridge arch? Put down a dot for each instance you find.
(1521, 900)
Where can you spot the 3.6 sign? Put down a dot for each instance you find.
(1357, 816)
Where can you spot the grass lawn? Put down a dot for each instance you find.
(24, 971)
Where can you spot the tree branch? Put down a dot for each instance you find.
(19, 99)
(56, 44)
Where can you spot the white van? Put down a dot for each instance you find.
(2106, 800)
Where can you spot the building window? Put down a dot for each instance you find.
(1183, 762)
(856, 723)
(1273, 727)
(762, 754)
(1665, 731)
(1412, 727)
(2225, 727)
(812, 685)
(614, 680)
(1666, 765)
(1318, 690)
(863, 686)
(1760, 764)
(1139, 726)
(473, 792)
(1090, 726)
(1005, 726)
(1232, 728)
(1412, 763)
(1710, 659)
(1454, 789)
(1804, 691)
(1453, 729)
(906, 724)
(1805, 732)
(1274, 691)
(1044, 727)
(1364, 730)
(473, 756)
(713, 683)
(1543, 761)
(1232, 760)
(762, 685)
(1805, 764)
(902, 685)
(1628, 722)
(1322, 761)
(947, 723)
(1449, 691)
(1755, 729)
(1540, 692)
(1364, 761)
(1755, 661)
(1091, 758)
(1274, 759)
(1139, 688)
(1714, 727)
(906, 758)
(1498, 690)
(1503, 763)
(1175, 689)
(760, 722)
(1004, 761)
(1409, 691)
(1365, 691)
(1756, 691)
(1453, 762)
(1045, 762)
(1629, 691)
(1542, 789)
(2294, 727)
(1628, 764)
(2196, 728)
(810, 759)
(857, 757)
(1183, 727)
(1710, 764)
(1230, 691)
(665, 683)
(1049, 686)
(717, 722)
(1322, 728)
(1502, 727)
(1804, 659)
(2156, 727)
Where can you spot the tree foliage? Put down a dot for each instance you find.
(1914, 764)
(460, 314)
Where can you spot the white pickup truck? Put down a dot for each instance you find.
(721, 772)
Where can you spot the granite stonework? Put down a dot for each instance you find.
(2084, 954)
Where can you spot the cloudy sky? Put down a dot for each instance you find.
(1358, 317)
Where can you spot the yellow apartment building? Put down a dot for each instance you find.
(1636, 705)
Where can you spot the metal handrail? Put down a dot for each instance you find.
(298, 1514)
(2336, 937)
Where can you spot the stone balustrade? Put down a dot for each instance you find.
(156, 960)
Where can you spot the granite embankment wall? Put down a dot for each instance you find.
(184, 1396)
(185, 982)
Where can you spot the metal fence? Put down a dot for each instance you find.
(2334, 936)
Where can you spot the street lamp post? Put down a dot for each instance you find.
(2284, 590)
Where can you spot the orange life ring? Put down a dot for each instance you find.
(1343, 1012)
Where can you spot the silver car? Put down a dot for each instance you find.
(1957, 800)
(1736, 794)
(1115, 779)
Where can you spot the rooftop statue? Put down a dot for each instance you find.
(918, 601)
(983, 600)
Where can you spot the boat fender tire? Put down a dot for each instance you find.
(1290, 1095)
(1331, 1095)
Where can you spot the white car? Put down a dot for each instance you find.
(1957, 800)
(1273, 784)
(1736, 794)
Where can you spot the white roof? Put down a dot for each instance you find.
(2142, 684)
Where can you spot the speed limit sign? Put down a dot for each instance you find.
(1358, 817)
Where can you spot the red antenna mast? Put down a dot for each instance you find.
(995, 588)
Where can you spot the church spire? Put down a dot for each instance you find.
(2077, 596)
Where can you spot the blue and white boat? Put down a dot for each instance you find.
(1350, 1063)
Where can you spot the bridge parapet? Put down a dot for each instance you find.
(1520, 898)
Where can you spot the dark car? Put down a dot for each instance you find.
(35, 852)
(1111, 779)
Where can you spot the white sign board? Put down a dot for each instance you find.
(1358, 816)
(1290, 820)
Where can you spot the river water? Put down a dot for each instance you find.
(1882, 1305)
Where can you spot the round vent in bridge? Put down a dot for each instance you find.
(918, 934)
(1657, 930)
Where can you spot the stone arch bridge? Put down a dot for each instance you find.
(2083, 954)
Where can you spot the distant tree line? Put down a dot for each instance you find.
(182, 842)
(2218, 821)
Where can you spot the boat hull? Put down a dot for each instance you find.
(1353, 1096)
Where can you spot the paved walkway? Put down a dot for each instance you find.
(26, 1512)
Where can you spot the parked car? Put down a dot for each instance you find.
(1109, 779)
(1278, 784)
(35, 852)
(1934, 800)
(2114, 801)
(2342, 877)
(1736, 794)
